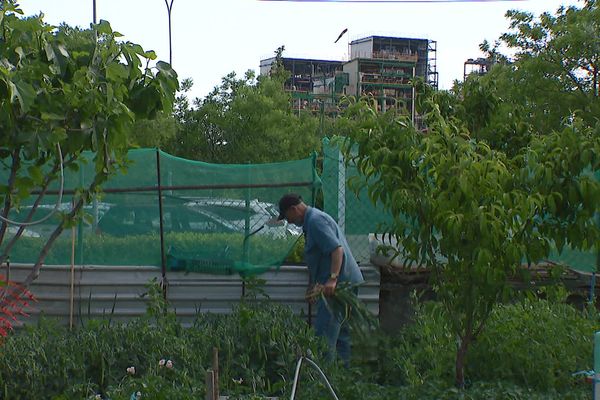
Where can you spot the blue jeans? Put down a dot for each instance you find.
(334, 328)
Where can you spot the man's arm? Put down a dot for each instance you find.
(337, 256)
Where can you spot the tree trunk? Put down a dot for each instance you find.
(460, 361)
(595, 81)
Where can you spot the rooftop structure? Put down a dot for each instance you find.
(380, 66)
(479, 66)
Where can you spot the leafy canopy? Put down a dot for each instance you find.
(247, 119)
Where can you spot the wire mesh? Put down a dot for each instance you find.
(355, 212)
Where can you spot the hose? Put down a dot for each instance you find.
(315, 366)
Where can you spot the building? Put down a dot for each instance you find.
(380, 66)
(314, 85)
(479, 66)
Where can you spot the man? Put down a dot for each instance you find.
(330, 262)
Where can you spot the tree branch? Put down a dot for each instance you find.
(16, 163)
(34, 207)
(35, 272)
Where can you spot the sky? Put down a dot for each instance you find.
(213, 38)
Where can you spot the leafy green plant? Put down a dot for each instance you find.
(347, 307)
(113, 250)
(423, 352)
(258, 345)
(538, 358)
(296, 256)
(534, 344)
(496, 390)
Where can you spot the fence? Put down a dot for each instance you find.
(355, 213)
(200, 223)
(83, 292)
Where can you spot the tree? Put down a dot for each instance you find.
(504, 172)
(156, 132)
(249, 119)
(245, 120)
(553, 74)
(472, 214)
(63, 92)
(528, 136)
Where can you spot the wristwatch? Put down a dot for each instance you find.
(334, 276)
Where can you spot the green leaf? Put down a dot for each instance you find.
(166, 69)
(116, 72)
(59, 134)
(35, 173)
(20, 52)
(50, 54)
(150, 54)
(23, 92)
(103, 27)
(551, 204)
(62, 49)
(46, 116)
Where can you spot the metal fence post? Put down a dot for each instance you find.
(341, 192)
(596, 386)
(163, 257)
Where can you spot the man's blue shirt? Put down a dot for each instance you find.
(322, 235)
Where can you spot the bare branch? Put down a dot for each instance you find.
(35, 272)
(16, 163)
(49, 178)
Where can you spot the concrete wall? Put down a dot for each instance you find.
(362, 49)
(351, 68)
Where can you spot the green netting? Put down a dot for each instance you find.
(360, 215)
(355, 213)
(213, 218)
(585, 261)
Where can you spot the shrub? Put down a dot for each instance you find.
(536, 344)
(424, 351)
(258, 344)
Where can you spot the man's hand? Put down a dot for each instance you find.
(313, 293)
(274, 222)
(329, 288)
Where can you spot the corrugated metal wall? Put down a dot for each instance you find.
(119, 292)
